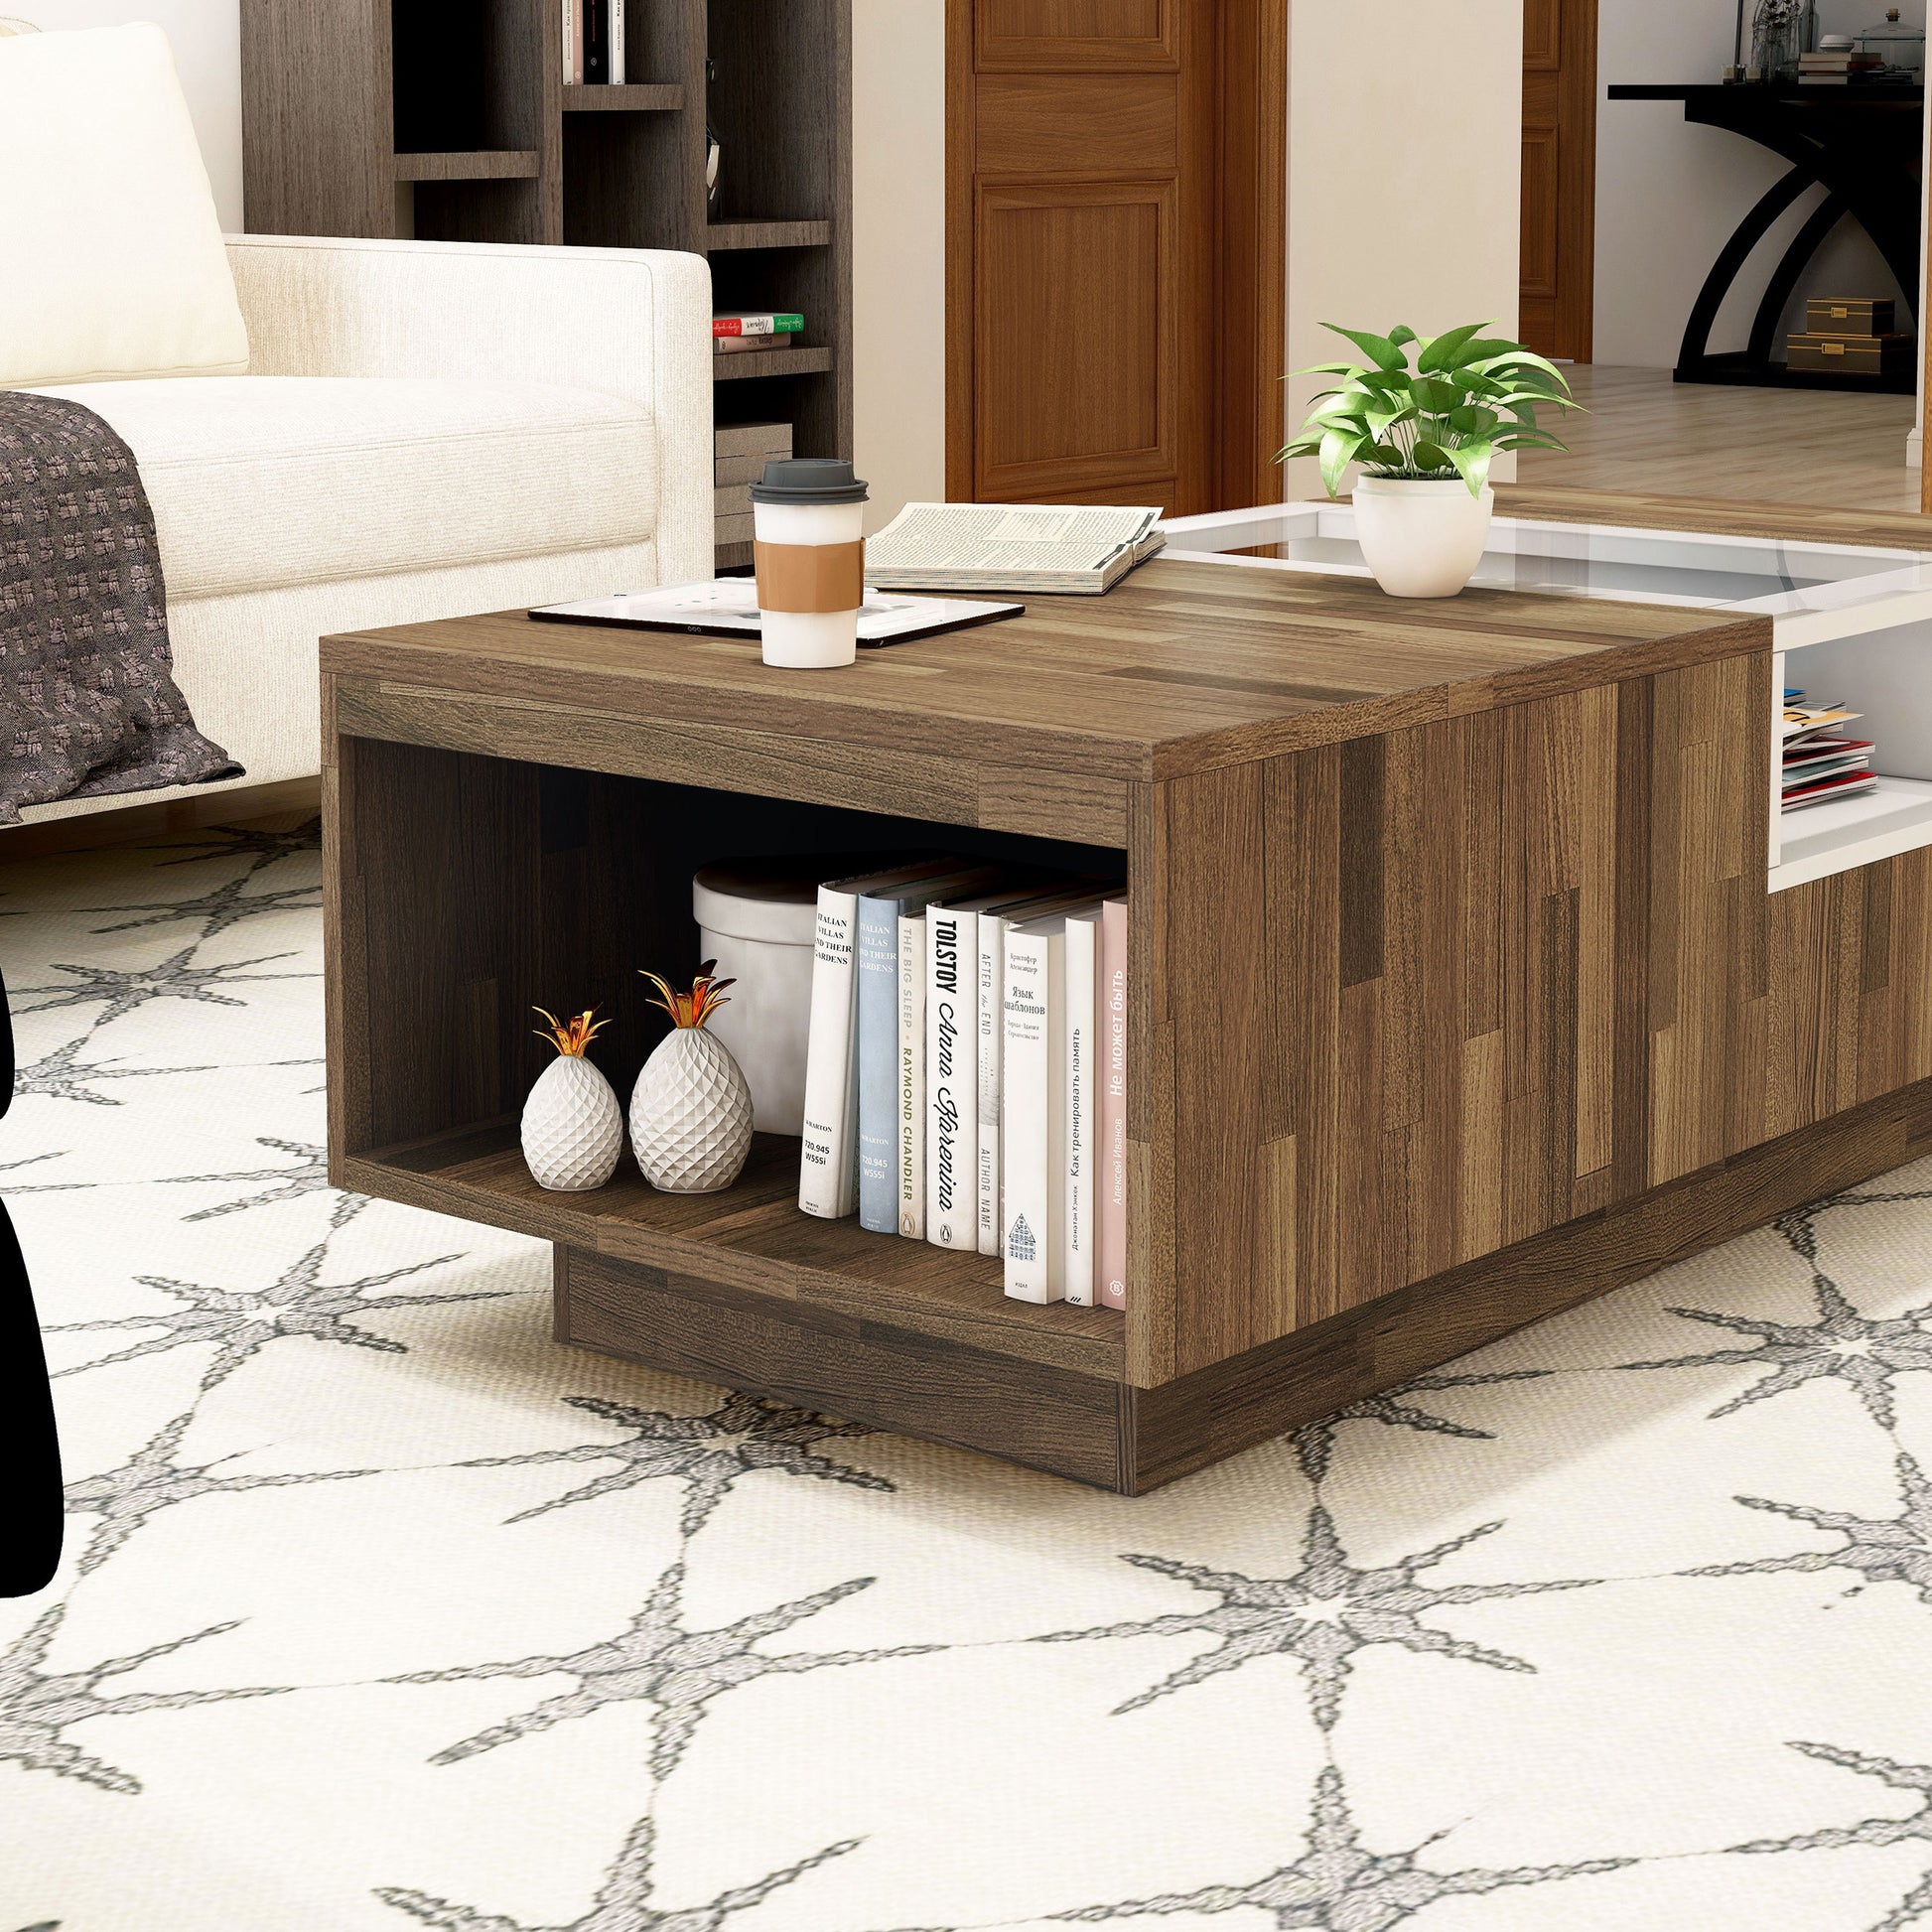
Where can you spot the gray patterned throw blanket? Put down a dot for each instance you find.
(89, 703)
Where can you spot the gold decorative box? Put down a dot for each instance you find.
(1848, 315)
(1851, 354)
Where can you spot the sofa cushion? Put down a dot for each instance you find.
(111, 260)
(261, 482)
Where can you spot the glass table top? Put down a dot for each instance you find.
(1587, 569)
(1783, 580)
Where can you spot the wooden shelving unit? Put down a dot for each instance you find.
(452, 123)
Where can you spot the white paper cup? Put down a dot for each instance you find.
(801, 506)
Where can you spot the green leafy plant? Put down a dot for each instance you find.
(1465, 396)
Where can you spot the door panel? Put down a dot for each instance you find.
(1540, 240)
(1075, 293)
(1542, 36)
(1559, 176)
(1067, 124)
(1076, 35)
(1081, 253)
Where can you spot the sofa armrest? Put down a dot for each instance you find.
(632, 322)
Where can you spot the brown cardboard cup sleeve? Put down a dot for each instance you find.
(811, 577)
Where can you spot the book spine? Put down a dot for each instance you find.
(877, 972)
(617, 44)
(827, 1163)
(952, 1079)
(597, 57)
(1035, 1138)
(990, 988)
(572, 72)
(910, 1092)
(771, 325)
(1076, 1085)
(1110, 1247)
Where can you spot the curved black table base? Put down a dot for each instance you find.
(31, 1502)
(1862, 145)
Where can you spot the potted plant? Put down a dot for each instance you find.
(1425, 431)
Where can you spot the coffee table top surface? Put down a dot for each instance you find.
(1190, 663)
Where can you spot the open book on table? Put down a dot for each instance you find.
(1047, 547)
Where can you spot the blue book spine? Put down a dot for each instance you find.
(878, 972)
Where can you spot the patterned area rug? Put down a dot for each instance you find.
(380, 1610)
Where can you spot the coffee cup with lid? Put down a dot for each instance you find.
(809, 540)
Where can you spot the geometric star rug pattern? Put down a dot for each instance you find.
(381, 1610)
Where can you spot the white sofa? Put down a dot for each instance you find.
(423, 430)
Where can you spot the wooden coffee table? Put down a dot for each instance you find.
(1457, 993)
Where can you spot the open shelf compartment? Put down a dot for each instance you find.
(1884, 673)
(521, 885)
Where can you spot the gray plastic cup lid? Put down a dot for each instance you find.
(808, 480)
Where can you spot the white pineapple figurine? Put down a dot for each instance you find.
(573, 1127)
(691, 1111)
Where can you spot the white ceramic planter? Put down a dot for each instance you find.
(1421, 539)
(690, 1115)
(573, 1127)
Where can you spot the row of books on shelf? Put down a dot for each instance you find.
(739, 334)
(593, 42)
(1820, 761)
(966, 1072)
(1838, 67)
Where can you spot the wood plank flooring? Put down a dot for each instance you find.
(1647, 434)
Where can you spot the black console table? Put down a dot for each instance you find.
(1861, 144)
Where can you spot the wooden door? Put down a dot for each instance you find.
(1559, 176)
(1084, 237)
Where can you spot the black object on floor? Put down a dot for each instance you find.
(30, 1514)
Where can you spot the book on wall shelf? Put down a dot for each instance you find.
(593, 42)
(779, 322)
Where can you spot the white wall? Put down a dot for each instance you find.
(1668, 194)
(206, 38)
(899, 266)
(1409, 213)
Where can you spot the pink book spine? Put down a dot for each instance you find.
(1110, 1249)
